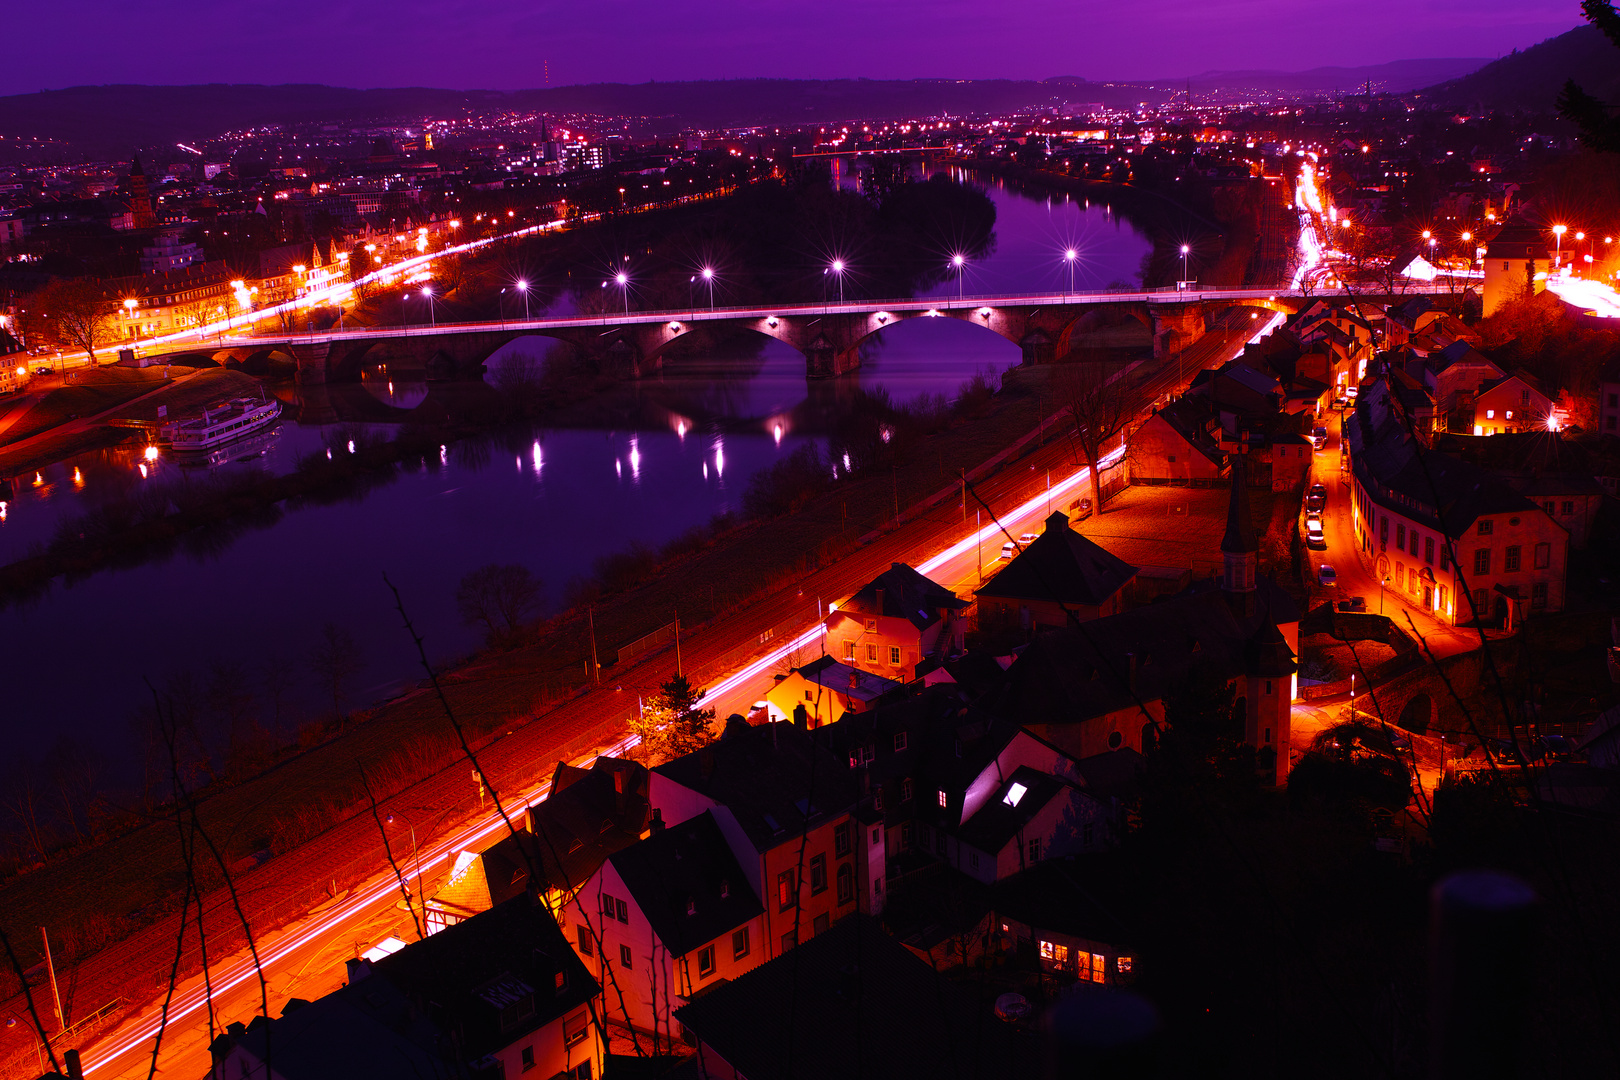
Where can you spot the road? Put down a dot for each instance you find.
(304, 958)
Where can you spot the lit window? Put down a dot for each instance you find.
(1490, 414)
(1014, 793)
(1123, 964)
(942, 800)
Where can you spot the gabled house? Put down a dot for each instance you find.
(1046, 911)
(671, 917)
(498, 995)
(1512, 403)
(863, 1005)
(894, 622)
(1516, 262)
(789, 808)
(1178, 444)
(586, 816)
(824, 690)
(1059, 577)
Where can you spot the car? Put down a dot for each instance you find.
(1355, 603)
(1341, 402)
(43, 370)
(1313, 535)
(1351, 392)
(1313, 515)
(1316, 499)
(1027, 539)
(1009, 549)
(1326, 576)
(1319, 437)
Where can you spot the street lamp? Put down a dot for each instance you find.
(427, 294)
(1558, 244)
(523, 287)
(838, 272)
(623, 280)
(129, 306)
(417, 858)
(1069, 256)
(708, 278)
(959, 261)
(1185, 248)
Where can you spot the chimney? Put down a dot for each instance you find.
(705, 764)
(801, 717)
(655, 824)
(70, 1062)
(879, 610)
(854, 679)
(618, 789)
(359, 968)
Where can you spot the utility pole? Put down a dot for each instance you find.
(677, 641)
(596, 668)
(894, 476)
(50, 969)
(964, 496)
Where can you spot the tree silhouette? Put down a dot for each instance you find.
(498, 598)
(1600, 129)
(335, 659)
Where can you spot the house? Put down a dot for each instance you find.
(862, 1005)
(894, 622)
(667, 919)
(498, 995)
(825, 690)
(1608, 403)
(586, 816)
(1516, 263)
(1047, 911)
(1601, 741)
(1414, 506)
(1100, 686)
(1178, 444)
(1060, 577)
(791, 812)
(1512, 403)
(1408, 319)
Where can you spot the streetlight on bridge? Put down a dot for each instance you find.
(837, 269)
(427, 294)
(708, 278)
(523, 287)
(623, 281)
(960, 262)
(1185, 250)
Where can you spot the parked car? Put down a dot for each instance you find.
(43, 370)
(1325, 576)
(1313, 515)
(1319, 437)
(1313, 535)
(1341, 402)
(1316, 499)
(1009, 549)
(1355, 603)
(1027, 539)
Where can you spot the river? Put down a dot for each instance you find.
(552, 500)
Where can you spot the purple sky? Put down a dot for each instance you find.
(501, 45)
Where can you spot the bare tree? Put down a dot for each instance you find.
(276, 675)
(74, 314)
(499, 598)
(1096, 402)
(335, 659)
(75, 770)
(25, 803)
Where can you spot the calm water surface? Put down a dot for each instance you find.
(553, 500)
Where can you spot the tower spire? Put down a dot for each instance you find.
(1240, 547)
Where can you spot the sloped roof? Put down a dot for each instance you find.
(1058, 896)
(688, 883)
(906, 594)
(766, 776)
(1409, 311)
(1517, 239)
(894, 1016)
(867, 686)
(998, 820)
(366, 1028)
(589, 814)
(1061, 565)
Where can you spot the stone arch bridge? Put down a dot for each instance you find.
(829, 335)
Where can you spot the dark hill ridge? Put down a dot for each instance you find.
(1531, 79)
(1396, 77)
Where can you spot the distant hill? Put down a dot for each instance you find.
(1531, 79)
(1397, 77)
(113, 119)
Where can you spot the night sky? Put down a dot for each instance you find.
(501, 45)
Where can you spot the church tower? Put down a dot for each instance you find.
(140, 198)
(1240, 550)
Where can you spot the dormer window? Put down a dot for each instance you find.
(871, 625)
(899, 740)
(1015, 793)
(561, 982)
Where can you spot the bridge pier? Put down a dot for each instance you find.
(1176, 326)
(312, 362)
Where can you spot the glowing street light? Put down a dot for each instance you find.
(427, 294)
(1069, 255)
(708, 278)
(129, 306)
(1558, 244)
(523, 287)
(623, 281)
(837, 269)
(1185, 249)
(960, 262)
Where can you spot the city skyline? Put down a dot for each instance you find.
(507, 48)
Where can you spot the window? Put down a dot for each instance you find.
(517, 1012)
(1510, 559)
(871, 625)
(877, 798)
(1086, 834)
(1428, 550)
(1383, 532)
(1543, 556)
(1123, 965)
(1445, 557)
(894, 655)
(846, 883)
(1482, 560)
(582, 934)
(574, 1029)
(905, 789)
(789, 939)
(1099, 965)
(809, 696)
(1548, 506)
(1524, 397)
(624, 911)
(1482, 603)
(1484, 527)
(1035, 850)
(877, 835)
(841, 839)
(1538, 596)
(899, 740)
(871, 653)
(1569, 507)
(944, 802)
(705, 961)
(584, 1070)
(607, 905)
(818, 874)
(528, 1057)
(624, 957)
(1508, 415)
(1490, 414)
(1015, 792)
(786, 890)
(905, 836)
(939, 843)
(849, 650)
(1400, 537)
(973, 859)
(1268, 686)
(739, 943)
(559, 982)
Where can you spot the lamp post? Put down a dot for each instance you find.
(129, 306)
(1069, 255)
(708, 279)
(838, 272)
(960, 262)
(427, 294)
(623, 280)
(523, 287)
(1558, 244)
(1185, 249)
(417, 858)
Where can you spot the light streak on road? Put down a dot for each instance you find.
(1594, 296)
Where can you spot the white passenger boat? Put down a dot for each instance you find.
(219, 424)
